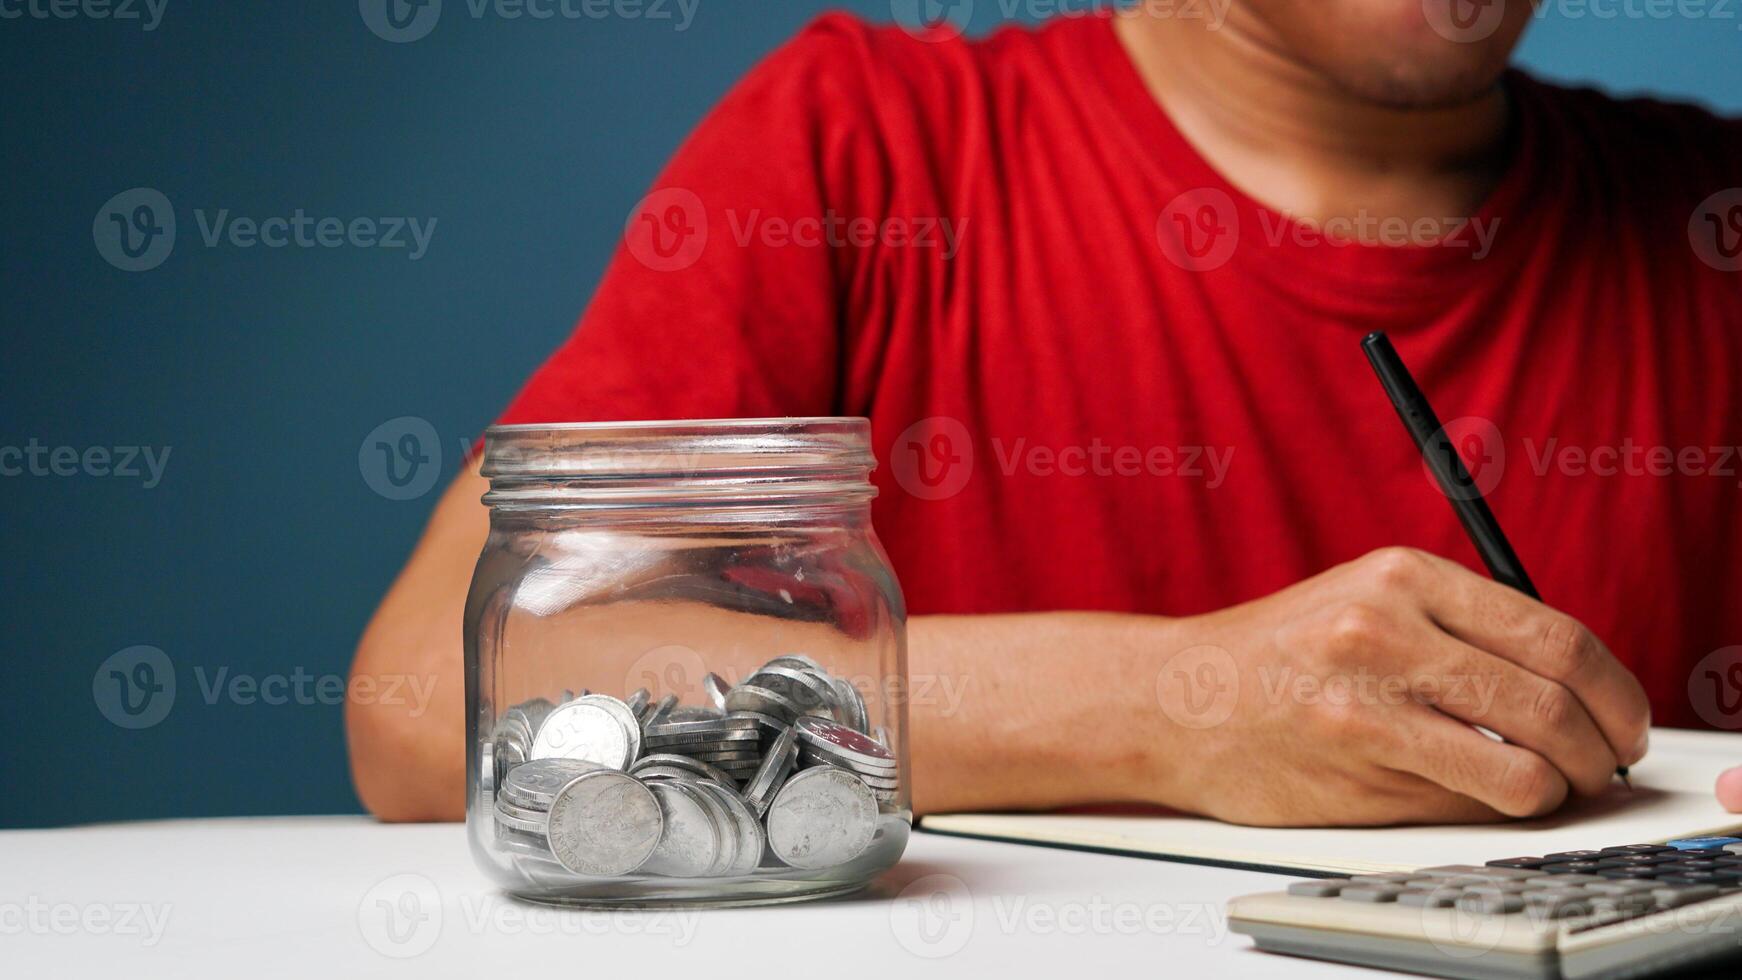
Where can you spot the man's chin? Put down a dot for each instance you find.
(1407, 89)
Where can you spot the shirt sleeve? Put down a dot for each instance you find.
(728, 293)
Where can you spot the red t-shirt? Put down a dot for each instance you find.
(1101, 377)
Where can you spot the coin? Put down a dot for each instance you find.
(689, 842)
(588, 728)
(795, 660)
(658, 710)
(729, 837)
(821, 818)
(748, 736)
(604, 823)
(682, 763)
(876, 779)
(725, 755)
(752, 841)
(852, 705)
(715, 726)
(716, 687)
(751, 697)
(688, 712)
(776, 766)
(837, 741)
(520, 818)
(534, 785)
(802, 687)
(637, 702)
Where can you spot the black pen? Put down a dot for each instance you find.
(1448, 469)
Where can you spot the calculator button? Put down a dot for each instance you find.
(1491, 904)
(1524, 863)
(1623, 887)
(1664, 858)
(1625, 874)
(1391, 879)
(1563, 881)
(1696, 864)
(1555, 905)
(1624, 904)
(1428, 898)
(1320, 888)
(1573, 867)
(1671, 898)
(1450, 871)
(1704, 843)
(1637, 849)
(1733, 848)
(1691, 878)
(1564, 856)
(1375, 894)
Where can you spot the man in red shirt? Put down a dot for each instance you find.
(1099, 285)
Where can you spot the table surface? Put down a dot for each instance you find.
(344, 896)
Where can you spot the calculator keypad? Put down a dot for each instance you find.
(1597, 886)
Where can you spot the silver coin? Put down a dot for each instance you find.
(692, 712)
(637, 702)
(802, 687)
(837, 741)
(534, 785)
(729, 837)
(625, 717)
(727, 738)
(689, 842)
(487, 770)
(822, 818)
(811, 755)
(752, 841)
(604, 823)
(695, 767)
(591, 728)
(520, 818)
(754, 698)
(776, 765)
(663, 772)
(658, 710)
(876, 779)
(714, 726)
(716, 687)
(797, 661)
(852, 705)
(523, 842)
(767, 726)
(752, 754)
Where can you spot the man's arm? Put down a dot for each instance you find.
(1345, 699)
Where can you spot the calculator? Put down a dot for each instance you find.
(1633, 910)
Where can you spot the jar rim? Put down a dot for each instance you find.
(678, 461)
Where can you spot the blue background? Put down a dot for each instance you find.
(264, 548)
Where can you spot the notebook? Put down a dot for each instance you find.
(1672, 799)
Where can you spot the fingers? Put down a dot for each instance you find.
(1730, 790)
(1543, 641)
(1508, 778)
(1528, 710)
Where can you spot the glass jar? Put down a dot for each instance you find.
(685, 650)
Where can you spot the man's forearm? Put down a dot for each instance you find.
(1032, 711)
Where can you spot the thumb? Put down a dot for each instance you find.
(1730, 790)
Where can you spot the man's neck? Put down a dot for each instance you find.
(1292, 140)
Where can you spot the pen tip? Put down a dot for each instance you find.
(1622, 772)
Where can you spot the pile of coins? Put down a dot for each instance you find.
(780, 771)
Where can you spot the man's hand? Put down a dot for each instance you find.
(1358, 695)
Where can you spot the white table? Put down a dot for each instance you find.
(329, 898)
